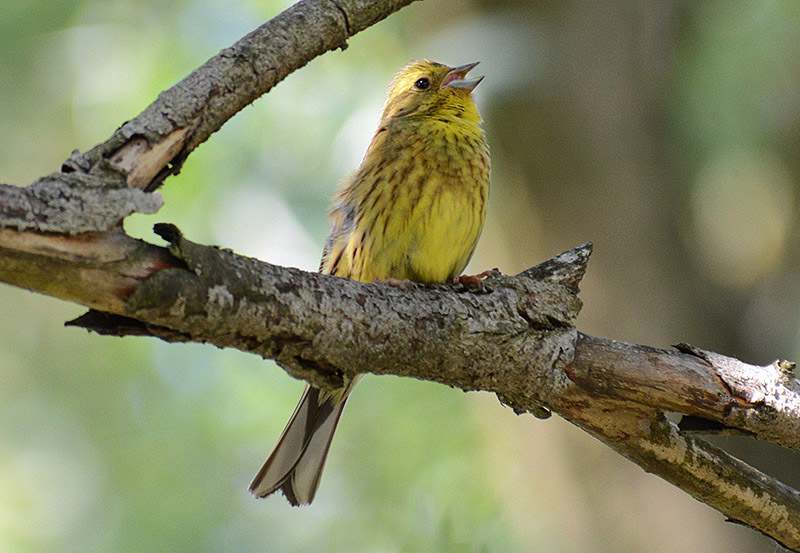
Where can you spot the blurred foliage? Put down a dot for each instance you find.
(667, 133)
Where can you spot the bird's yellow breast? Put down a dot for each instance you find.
(415, 208)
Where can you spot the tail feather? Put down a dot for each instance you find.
(295, 464)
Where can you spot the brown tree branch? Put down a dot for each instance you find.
(514, 338)
(763, 402)
(155, 144)
(622, 392)
(311, 323)
(93, 186)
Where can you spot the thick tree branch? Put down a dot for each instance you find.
(762, 401)
(311, 323)
(514, 338)
(623, 391)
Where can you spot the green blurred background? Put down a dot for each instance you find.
(665, 132)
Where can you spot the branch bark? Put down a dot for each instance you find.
(154, 145)
(515, 337)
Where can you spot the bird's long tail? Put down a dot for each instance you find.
(295, 464)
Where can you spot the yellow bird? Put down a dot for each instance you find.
(413, 210)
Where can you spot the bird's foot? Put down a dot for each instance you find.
(402, 283)
(476, 280)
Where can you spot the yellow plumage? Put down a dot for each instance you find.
(415, 207)
(413, 210)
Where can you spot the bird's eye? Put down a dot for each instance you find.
(422, 84)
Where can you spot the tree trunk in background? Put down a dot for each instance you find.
(593, 156)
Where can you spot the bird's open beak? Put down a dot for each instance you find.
(457, 78)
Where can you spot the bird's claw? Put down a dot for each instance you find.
(477, 280)
(402, 283)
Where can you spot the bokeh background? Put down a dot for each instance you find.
(665, 132)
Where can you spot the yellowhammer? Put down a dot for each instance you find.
(412, 211)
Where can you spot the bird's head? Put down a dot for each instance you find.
(429, 89)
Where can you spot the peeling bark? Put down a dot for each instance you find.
(156, 143)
